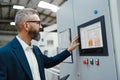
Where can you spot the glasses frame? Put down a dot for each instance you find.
(38, 22)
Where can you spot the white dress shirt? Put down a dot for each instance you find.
(31, 59)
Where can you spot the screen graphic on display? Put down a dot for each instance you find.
(91, 36)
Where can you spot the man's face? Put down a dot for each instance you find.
(35, 28)
(34, 34)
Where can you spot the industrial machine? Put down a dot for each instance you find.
(96, 22)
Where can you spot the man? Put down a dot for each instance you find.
(21, 61)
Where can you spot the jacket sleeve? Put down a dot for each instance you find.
(52, 61)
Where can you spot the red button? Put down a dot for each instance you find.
(85, 61)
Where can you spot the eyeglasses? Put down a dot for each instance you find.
(38, 22)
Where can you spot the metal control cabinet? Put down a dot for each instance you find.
(74, 13)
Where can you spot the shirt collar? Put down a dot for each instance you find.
(23, 44)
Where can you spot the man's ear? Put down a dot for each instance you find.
(26, 26)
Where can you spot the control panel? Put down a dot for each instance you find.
(94, 59)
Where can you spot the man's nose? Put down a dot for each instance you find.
(41, 26)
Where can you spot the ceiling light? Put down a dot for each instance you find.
(18, 7)
(12, 23)
(46, 5)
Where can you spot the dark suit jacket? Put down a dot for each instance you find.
(14, 65)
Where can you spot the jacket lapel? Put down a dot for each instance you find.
(39, 60)
(18, 50)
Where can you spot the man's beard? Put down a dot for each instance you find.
(34, 34)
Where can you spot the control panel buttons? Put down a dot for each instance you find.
(97, 61)
(85, 61)
(91, 61)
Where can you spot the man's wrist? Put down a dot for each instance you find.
(69, 50)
